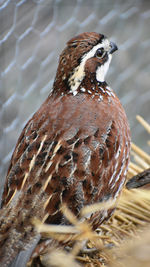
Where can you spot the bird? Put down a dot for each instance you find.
(142, 179)
(74, 150)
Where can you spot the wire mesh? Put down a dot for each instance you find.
(33, 33)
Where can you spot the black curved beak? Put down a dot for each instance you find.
(113, 47)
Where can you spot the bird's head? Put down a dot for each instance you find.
(86, 55)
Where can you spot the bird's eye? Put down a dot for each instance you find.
(100, 52)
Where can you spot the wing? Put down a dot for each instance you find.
(65, 154)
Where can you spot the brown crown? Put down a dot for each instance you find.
(71, 56)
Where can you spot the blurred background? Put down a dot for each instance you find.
(32, 35)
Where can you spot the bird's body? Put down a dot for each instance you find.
(74, 150)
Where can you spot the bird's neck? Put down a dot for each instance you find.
(89, 85)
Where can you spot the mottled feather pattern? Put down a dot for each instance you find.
(61, 160)
(74, 150)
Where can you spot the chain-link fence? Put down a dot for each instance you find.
(33, 33)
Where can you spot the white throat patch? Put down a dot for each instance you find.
(78, 74)
(102, 70)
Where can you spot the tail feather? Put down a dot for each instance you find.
(15, 236)
(23, 257)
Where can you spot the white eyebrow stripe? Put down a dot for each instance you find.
(78, 75)
(105, 43)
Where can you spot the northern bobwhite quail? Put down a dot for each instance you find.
(74, 150)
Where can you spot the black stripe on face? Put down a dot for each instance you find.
(99, 41)
(80, 58)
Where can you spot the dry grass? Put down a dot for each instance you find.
(122, 241)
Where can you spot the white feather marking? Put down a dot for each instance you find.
(79, 73)
(82, 89)
(118, 152)
(47, 181)
(102, 70)
(119, 188)
(117, 177)
(47, 201)
(34, 157)
(54, 154)
(25, 177)
(114, 173)
(32, 163)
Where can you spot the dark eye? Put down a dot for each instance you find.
(100, 52)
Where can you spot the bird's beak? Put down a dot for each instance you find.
(113, 47)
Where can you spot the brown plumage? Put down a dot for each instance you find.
(74, 150)
(140, 180)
